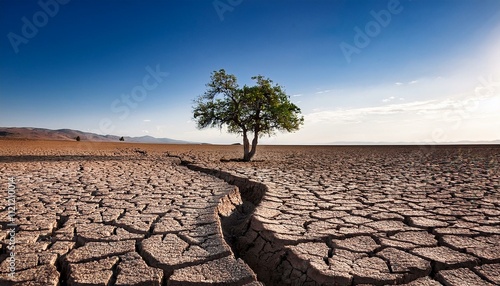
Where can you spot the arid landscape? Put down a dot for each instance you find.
(250, 143)
(91, 213)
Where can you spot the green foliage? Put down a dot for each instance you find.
(261, 109)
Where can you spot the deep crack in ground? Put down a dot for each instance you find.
(300, 215)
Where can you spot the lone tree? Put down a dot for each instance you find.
(77, 138)
(260, 110)
(122, 139)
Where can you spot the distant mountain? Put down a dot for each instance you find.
(151, 139)
(70, 134)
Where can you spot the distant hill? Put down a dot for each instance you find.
(70, 134)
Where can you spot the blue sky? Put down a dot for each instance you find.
(369, 71)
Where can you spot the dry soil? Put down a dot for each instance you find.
(143, 214)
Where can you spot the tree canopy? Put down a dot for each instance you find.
(262, 109)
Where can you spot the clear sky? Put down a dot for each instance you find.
(365, 71)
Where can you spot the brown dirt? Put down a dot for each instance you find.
(145, 214)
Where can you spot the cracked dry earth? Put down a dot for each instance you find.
(115, 218)
(111, 214)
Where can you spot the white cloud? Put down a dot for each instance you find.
(146, 120)
(358, 114)
(435, 120)
(323, 91)
(436, 109)
(488, 87)
(410, 82)
(391, 98)
(296, 95)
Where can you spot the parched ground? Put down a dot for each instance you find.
(137, 214)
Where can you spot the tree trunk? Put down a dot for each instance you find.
(246, 148)
(247, 153)
(254, 147)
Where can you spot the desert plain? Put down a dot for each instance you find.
(86, 213)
